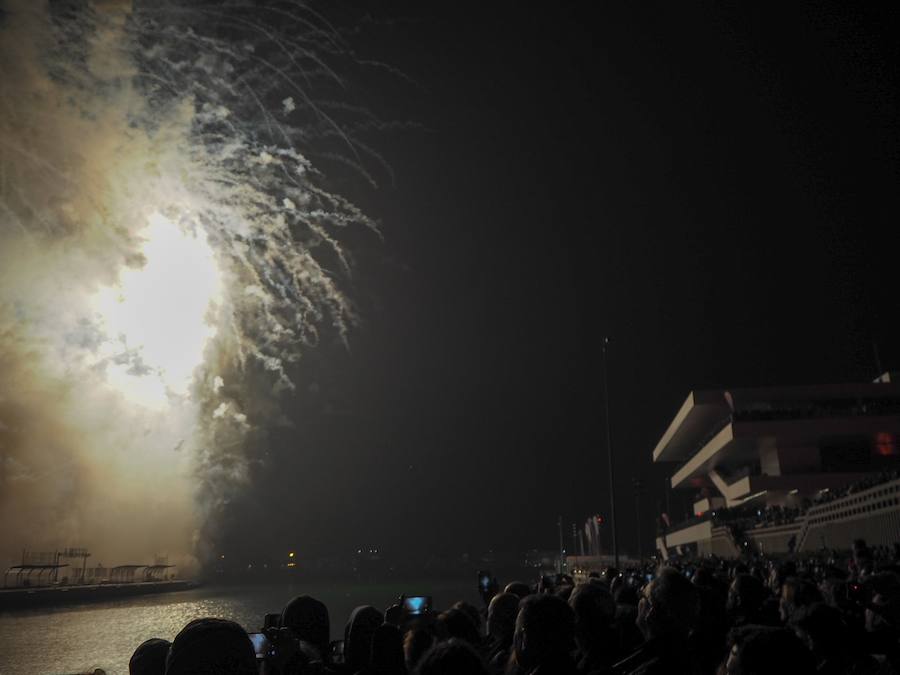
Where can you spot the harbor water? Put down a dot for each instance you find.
(79, 638)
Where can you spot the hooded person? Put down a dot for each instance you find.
(211, 646)
(308, 619)
(358, 636)
(387, 651)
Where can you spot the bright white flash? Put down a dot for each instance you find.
(157, 320)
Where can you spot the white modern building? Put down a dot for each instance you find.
(786, 468)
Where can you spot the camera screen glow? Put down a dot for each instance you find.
(260, 643)
(417, 604)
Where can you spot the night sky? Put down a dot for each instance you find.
(712, 186)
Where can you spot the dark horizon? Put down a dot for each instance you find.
(709, 186)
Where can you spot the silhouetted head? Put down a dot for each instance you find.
(883, 611)
(501, 620)
(211, 646)
(595, 611)
(149, 658)
(455, 623)
(416, 643)
(358, 637)
(739, 568)
(453, 657)
(770, 651)
(626, 595)
(796, 593)
(861, 553)
(545, 631)
(610, 574)
(308, 619)
(387, 650)
(779, 573)
(669, 605)
(822, 629)
(564, 592)
(745, 595)
(703, 576)
(519, 588)
(471, 611)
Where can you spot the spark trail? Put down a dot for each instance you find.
(167, 251)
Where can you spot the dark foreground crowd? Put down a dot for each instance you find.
(819, 615)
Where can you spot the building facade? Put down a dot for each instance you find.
(782, 469)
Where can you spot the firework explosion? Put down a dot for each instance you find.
(164, 241)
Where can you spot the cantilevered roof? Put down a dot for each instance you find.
(739, 443)
(814, 392)
(704, 411)
(699, 414)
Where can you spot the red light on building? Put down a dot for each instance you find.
(885, 444)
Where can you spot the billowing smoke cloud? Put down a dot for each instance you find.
(166, 253)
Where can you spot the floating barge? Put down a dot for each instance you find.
(36, 582)
(49, 596)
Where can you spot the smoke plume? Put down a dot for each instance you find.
(167, 251)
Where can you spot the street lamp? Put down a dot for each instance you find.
(612, 496)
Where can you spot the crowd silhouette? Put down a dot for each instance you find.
(823, 613)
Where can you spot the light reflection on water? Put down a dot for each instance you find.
(80, 638)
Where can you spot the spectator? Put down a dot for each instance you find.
(745, 601)
(358, 637)
(387, 652)
(796, 593)
(416, 643)
(518, 588)
(149, 658)
(769, 651)
(707, 642)
(455, 623)
(667, 613)
(501, 624)
(208, 646)
(453, 657)
(823, 630)
(544, 636)
(308, 620)
(630, 637)
(778, 574)
(595, 635)
(703, 576)
(472, 612)
(882, 617)
(610, 575)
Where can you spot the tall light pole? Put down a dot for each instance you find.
(559, 526)
(612, 494)
(638, 486)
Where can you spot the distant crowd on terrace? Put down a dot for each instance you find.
(819, 614)
(750, 515)
(857, 487)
